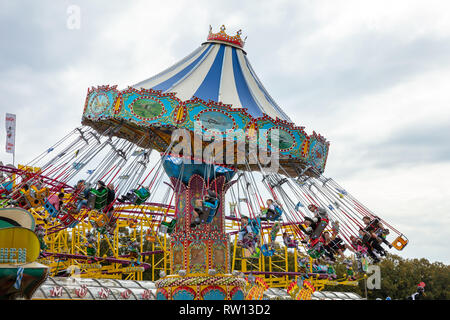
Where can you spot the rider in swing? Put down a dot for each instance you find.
(316, 225)
(248, 237)
(204, 209)
(273, 211)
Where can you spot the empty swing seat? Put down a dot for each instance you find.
(167, 227)
(102, 220)
(40, 194)
(266, 251)
(68, 220)
(400, 242)
(31, 201)
(150, 237)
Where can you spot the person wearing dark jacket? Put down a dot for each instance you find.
(371, 244)
(110, 200)
(375, 228)
(419, 294)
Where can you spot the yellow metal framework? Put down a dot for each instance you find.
(138, 222)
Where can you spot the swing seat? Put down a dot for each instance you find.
(291, 244)
(141, 195)
(40, 194)
(50, 209)
(320, 228)
(273, 233)
(255, 255)
(266, 251)
(320, 268)
(6, 187)
(102, 220)
(31, 201)
(97, 199)
(4, 203)
(212, 210)
(90, 251)
(400, 242)
(68, 220)
(316, 252)
(255, 225)
(167, 227)
(298, 206)
(132, 223)
(279, 211)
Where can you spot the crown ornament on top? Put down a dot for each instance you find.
(223, 37)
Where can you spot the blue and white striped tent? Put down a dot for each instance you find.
(221, 72)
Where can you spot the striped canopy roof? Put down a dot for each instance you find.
(221, 72)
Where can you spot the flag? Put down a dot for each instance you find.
(10, 121)
(19, 278)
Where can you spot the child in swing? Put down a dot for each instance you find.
(318, 223)
(247, 238)
(56, 200)
(372, 245)
(244, 231)
(312, 224)
(334, 245)
(203, 208)
(289, 242)
(273, 210)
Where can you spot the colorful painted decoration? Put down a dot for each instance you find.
(280, 137)
(146, 109)
(213, 120)
(98, 103)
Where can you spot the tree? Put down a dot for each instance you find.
(400, 277)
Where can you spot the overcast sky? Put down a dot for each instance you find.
(371, 76)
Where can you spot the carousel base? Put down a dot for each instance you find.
(200, 287)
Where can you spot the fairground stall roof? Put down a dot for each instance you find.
(214, 86)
